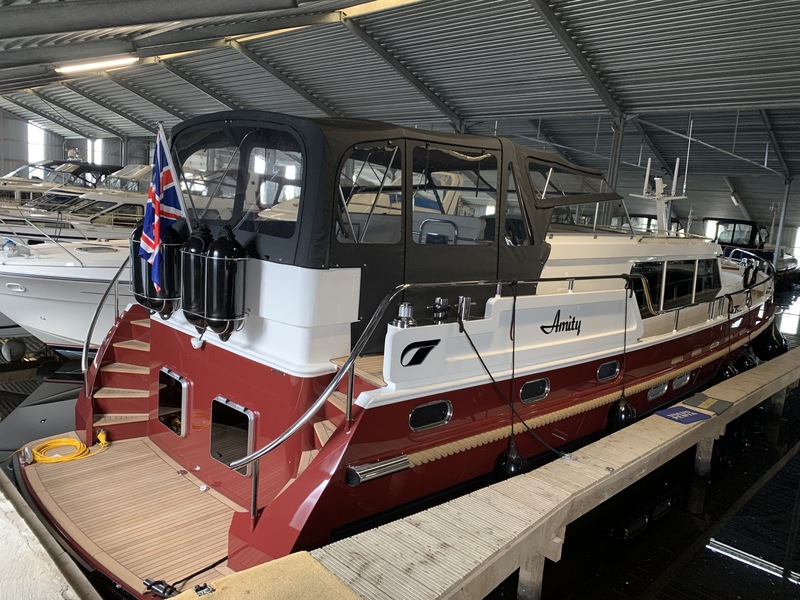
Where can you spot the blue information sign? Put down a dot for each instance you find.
(681, 414)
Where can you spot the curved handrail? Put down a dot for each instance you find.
(320, 402)
(98, 310)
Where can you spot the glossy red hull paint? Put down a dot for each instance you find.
(321, 501)
(277, 399)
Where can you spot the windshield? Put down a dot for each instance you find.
(255, 186)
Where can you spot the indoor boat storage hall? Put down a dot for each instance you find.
(399, 299)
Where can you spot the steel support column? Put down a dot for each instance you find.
(779, 236)
(618, 127)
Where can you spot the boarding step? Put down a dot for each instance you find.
(121, 426)
(124, 375)
(323, 430)
(133, 345)
(141, 322)
(120, 367)
(368, 368)
(114, 400)
(112, 392)
(305, 459)
(336, 405)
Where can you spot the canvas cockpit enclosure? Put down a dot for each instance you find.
(403, 205)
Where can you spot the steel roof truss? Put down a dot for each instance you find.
(197, 84)
(775, 145)
(50, 118)
(454, 118)
(66, 108)
(144, 96)
(256, 59)
(113, 109)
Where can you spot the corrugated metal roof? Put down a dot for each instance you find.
(729, 65)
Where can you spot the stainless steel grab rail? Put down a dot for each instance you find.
(112, 285)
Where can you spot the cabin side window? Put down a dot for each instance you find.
(430, 415)
(679, 283)
(454, 196)
(369, 203)
(651, 274)
(516, 223)
(534, 390)
(708, 283)
(127, 215)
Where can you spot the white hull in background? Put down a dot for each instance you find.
(54, 292)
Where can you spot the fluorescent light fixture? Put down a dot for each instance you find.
(733, 199)
(98, 65)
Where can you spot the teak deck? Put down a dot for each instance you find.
(160, 524)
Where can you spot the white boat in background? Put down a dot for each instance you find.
(73, 177)
(98, 214)
(52, 290)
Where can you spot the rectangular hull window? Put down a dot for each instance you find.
(172, 399)
(231, 432)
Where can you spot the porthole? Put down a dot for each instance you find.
(657, 391)
(608, 371)
(432, 414)
(534, 390)
(681, 381)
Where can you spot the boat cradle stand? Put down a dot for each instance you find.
(468, 546)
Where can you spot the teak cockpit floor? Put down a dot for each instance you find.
(137, 513)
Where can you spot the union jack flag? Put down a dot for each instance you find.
(164, 206)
